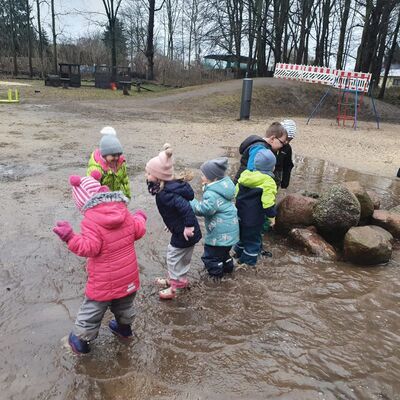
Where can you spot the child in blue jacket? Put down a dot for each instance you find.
(172, 199)
(220, 215)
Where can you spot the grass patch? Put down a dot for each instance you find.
(37, 90)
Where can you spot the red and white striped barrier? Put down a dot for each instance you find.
(321, 75)
(357, 81)
(326, 76)
(289, 71)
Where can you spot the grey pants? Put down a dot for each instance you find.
(178, 261)
(91, 313)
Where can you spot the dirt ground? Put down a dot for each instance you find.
(199, 123)
(300, 328)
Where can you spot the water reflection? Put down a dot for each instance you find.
(317, 175)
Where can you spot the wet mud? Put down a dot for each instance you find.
(298, 328)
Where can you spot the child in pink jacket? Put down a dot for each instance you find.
(108, 234)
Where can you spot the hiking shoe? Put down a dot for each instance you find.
(162, 282)
(228, 266)
(123, 331)
(167, 294)
(78, 346)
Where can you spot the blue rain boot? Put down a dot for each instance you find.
(123, 331)
(78, 346)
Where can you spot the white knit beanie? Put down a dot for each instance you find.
(290, 127)
(108, 130)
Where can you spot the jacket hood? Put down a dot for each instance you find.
(107, 209)
(181, 188)
(224, 187)
(252, 139)
(103, 163)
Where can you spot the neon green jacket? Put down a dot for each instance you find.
(256, 179)
(114, 180)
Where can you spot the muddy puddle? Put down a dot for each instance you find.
(300, 328)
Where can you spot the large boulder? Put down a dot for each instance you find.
(376, 201)
(383, 232)
(367, 245)
(387, 220)
(293, 211)
(395, 209)
(313, 243)
(335, 212)
(367, 206)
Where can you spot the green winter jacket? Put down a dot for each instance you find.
(220, 213)
(256, 179)
(114, 180)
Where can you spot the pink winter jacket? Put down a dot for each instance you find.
(108, 233)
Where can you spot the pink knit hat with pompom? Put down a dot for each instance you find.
(162, 166)
(83, 189)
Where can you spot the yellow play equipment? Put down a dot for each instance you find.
(10, 98)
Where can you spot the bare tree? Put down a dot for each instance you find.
(53, 29)
(344, 17)
(13, 35)
(390, 57)
(112, 7)
(29, 35)
(39, 23)
(150, 38)
(173, 14)
(281, 11)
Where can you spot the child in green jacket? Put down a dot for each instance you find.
(255, 200)
(220, 215)
(110, 162)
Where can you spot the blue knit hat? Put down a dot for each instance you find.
(265, 161)
(109, 144)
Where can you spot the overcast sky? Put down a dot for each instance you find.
(75, 17)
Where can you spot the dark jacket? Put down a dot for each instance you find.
(174, 207)
(283, 167)
(244, 151)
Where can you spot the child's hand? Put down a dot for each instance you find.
(64, 230)
(141, 213)
(188, 232)
(272, 222)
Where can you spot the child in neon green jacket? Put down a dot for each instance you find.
(110, 162)
(255, 200)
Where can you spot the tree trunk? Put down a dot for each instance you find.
(261, 42)
(170, 25)
(343, 27)
(389, 59)
(40, 37)
(28, 32)
(150, 42)
(13, 37)
(53, 28)
(112, 25)
(376, 63)
(321, 42)
(281, 11)
(305, 11)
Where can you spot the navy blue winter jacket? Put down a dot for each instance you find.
(174, 207)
